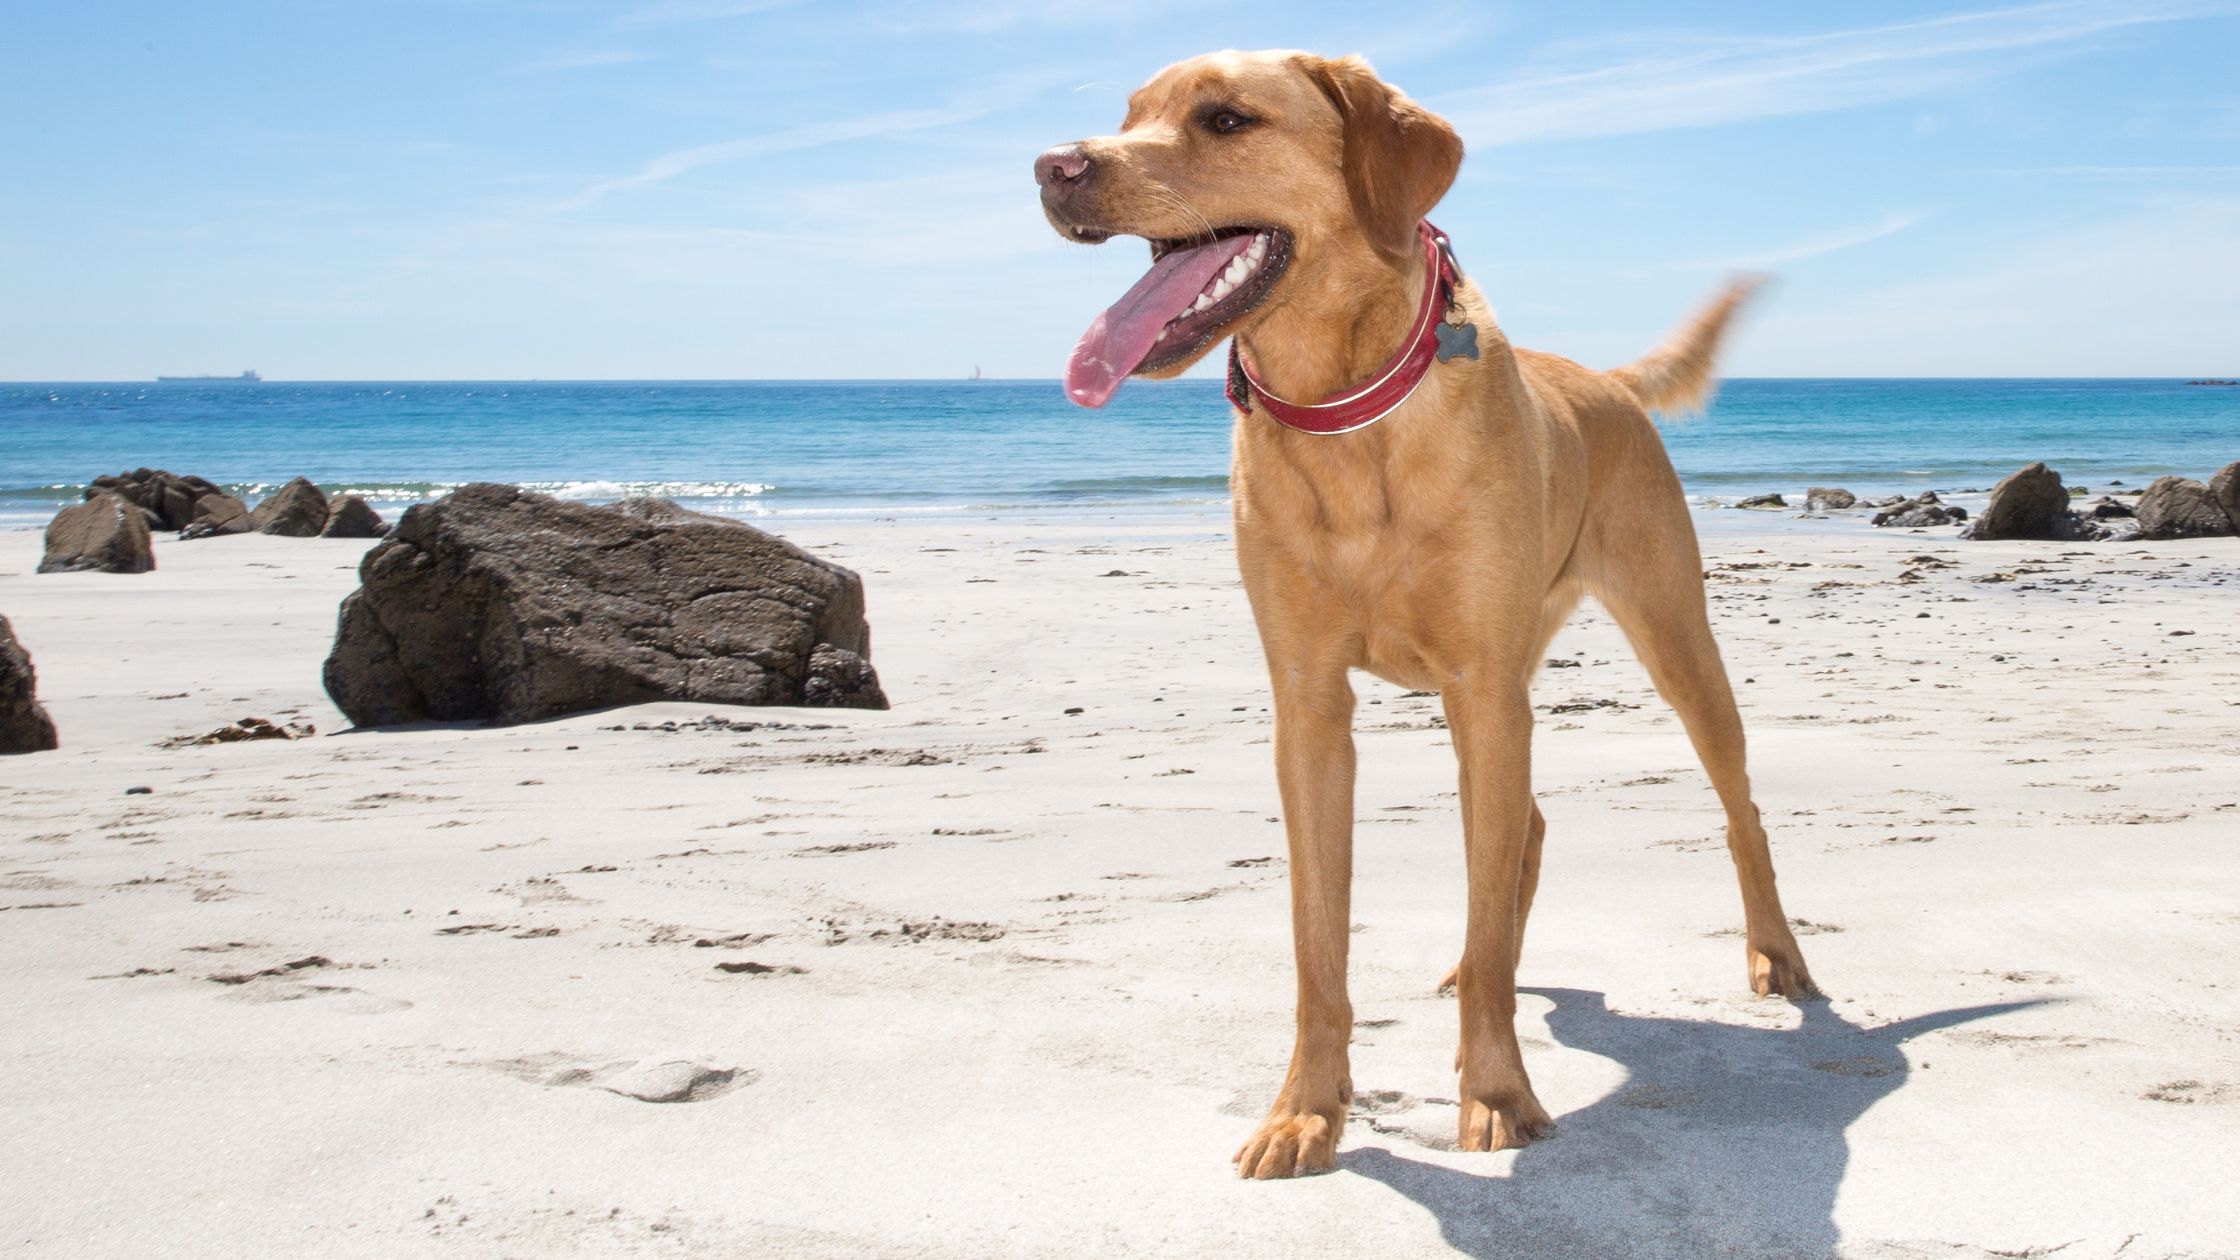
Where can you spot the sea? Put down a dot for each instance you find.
(880, 449)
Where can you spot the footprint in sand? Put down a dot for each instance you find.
(292, 982)
(657, 1079)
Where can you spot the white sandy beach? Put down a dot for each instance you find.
(1020, 978)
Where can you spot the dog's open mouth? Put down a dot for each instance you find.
(1195, 289)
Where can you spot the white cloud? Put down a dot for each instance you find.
(1704, 82)
(1810, 247)
(668, 12)
(2154, 293)
(985, 97)
(581, 61)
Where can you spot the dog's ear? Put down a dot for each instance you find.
(1399, 159)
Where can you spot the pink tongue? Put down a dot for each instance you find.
(1125, 333)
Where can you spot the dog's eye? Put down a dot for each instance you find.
(1222, 122)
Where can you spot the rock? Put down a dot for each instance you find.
(1918, 513)
(2180, 507)
(24, 724)
(216, 515)
(671, 1081)
(1763, 501)
(168, 498)
(352, 517)
(2026, 504)
(840, 679)
(2225, 489)
(2108, 509)
(107, 534)
(1828, 499)
(295, 510)
(496, 603)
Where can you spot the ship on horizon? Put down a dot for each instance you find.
(246, 378)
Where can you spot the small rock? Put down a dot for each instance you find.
(1828, 499)
(669, 1081)
(138, 791)
(1763, 501)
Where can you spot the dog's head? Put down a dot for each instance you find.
(1258, 178)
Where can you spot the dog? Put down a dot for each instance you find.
(1433, 521)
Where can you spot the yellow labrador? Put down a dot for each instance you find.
(1438, 542)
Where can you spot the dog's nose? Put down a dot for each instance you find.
(1063, 169)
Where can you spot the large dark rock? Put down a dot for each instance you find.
(216, 515)
(295, 510)
(352, 517)
(1828, 499)
(24, 724)
(170, 500)
(1762, 501)
(2180, 507)
(2030, 503)
(496, 603)
(2225, 489)
(104, 534)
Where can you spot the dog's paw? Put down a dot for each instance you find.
(1514, 1121)
(1291, 1143)
(1777, 970)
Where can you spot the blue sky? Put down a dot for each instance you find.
(755, 188)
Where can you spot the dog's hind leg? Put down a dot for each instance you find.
(1528, 883)
(1652, 583)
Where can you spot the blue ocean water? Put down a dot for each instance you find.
(917, 447)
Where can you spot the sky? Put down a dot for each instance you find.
(732, 189)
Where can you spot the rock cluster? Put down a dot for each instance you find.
(496, 603)
(24, 724)
(171, 501)
(1918, 513)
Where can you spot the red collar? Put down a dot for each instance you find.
(1365, 404)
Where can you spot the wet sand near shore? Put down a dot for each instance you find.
(1006, 970)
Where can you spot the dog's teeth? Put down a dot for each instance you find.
(1223, 289)
(1202, 303)
(1237, 271)
(1259, 249)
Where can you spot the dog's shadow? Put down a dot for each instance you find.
(1723, 1139)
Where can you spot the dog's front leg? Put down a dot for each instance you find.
(1314, 772)
(1490, 717)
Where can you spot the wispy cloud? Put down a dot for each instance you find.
(1809, 247)
(1704, 82)
(978, 100)
(581, 61)
(666, 12)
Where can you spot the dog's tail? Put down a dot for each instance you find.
(1676, 376)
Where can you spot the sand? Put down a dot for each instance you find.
(981, 976)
